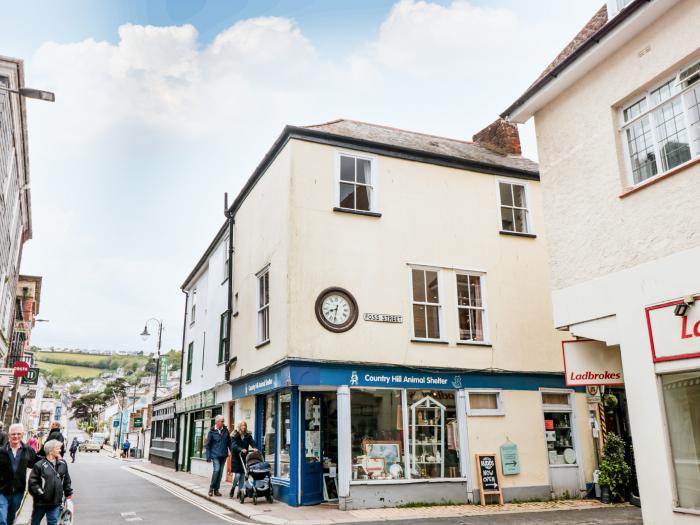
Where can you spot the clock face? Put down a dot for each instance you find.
(336, 309)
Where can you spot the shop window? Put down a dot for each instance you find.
(377, 433)
(284, 440)
(269, 432)
(558, 428)
(203, 421)
(681, 394)
(433, 434)
(425, 285)
(484, 403)
(471, 309)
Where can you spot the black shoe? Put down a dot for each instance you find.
(217, 493)
(211, 492)
(231, 493)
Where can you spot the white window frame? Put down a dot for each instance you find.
(529, 223)
(498, 411)
(649, 112)
(374, 181)
(260, 340)
(193, 306)
(226, 259)
(571, 409)
(440, 305)
(485, 316)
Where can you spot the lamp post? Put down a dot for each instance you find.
(145, 335)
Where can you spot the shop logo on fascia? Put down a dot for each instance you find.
(353, 378)
(457, 382)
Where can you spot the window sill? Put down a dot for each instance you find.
(570, 465)
(518, 234)
(472, 413)
(405, 481)
(430, 341)
(475, 343)
(656, 178)
(188, 381)
(264, 343)
(220, 363)
(358, 212)
(682, 510)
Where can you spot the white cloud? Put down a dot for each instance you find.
(147, 134)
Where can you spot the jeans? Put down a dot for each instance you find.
(219, 465)
(9, 505)
(50, 511)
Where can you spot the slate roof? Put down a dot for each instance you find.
(411, 140)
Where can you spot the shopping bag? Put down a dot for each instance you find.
(66, 516)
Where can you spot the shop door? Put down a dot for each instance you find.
(312, 462)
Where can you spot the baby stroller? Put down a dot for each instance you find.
(258, 482)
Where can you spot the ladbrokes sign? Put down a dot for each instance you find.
(674, 336)
(592, 363)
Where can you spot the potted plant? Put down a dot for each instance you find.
(614, 470)
(610, 402)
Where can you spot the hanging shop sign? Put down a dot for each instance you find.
(163, 371)
(488, 477)
(674, 329)
(32, 378)
(383, 318)
(21, 369)
(510, 460)
(592, 363)
(199, 400)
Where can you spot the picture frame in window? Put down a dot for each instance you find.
(388, 450)
(330, 487)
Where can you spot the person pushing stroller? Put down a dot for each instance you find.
(241, 443)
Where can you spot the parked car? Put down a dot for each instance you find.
(92, 445)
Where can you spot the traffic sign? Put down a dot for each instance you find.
(21, 369)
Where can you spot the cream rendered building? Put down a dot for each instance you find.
(619, 144)
(389, 320)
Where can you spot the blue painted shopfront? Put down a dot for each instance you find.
(302, 479)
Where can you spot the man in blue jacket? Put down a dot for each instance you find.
(218, 443)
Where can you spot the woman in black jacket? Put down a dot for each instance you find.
(55, 433)
(49, 482)
(241, 441)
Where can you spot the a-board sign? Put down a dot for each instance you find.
(487, 471)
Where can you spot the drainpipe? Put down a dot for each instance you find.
(230, 217)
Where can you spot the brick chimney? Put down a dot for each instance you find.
(500, 137)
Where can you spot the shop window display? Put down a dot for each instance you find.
(269, 437)
(681, 392)
(284, 440)
(433, 436)
(377, 434)
(558, 432)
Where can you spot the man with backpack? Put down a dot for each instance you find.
(125, 448)
(49, 484)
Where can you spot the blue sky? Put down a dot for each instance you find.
(162, 106)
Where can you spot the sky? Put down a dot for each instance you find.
(164, 105)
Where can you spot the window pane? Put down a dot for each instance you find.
(433, 322)
(560, 445)
(519, 196)
(465, 333)
(641, 150)
(477, 322)
(419, 329)
(475, 290)
(692, 100)
(376, 422)
(664, 92)
(483, 401)
(682, 401)
(463, 290)
(266, 278)
(555, 399)
(418, 278)
(433, 434)
(261, 291)
(269, 434)
(347, 168)
(347, 196)
(671, 132)
(363, 171)
(520, 217)
(432, 282)
(284, 439)
(506, 196)
(362, 193)
(507, 219)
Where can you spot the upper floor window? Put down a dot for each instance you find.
(193, 305)
(661, 129)
(356, 184)
(223, 337)
(264, 306)
(471, 308)
(425, 285)
(227, 258)
(514, 210)
(190, 351)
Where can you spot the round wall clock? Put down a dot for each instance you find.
(336, 309)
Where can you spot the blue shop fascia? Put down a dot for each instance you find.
(335, 432)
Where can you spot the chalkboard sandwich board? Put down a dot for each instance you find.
(487, 472)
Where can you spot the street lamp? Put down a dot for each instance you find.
(145, 335)
(37, 94)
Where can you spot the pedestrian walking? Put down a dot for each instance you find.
(49, 484)
(115, 446)
(33, 442)
(241, 442)
(15, 459)
(125, 448)
(218, 443)
(55, 433)
(3, 435)
(74, 449)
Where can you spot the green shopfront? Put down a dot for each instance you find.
(196, 415)
(364, 435)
